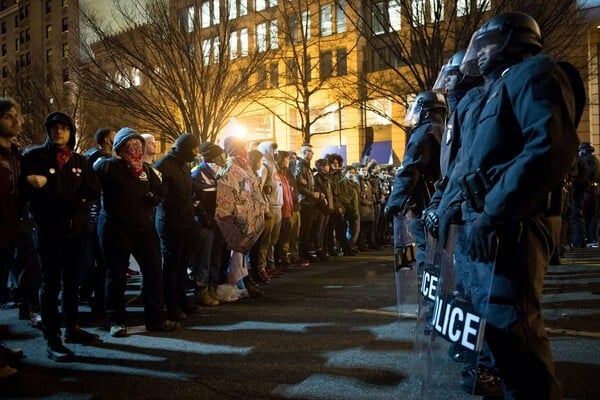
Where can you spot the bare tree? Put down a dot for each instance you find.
(39, 91)
(316, 60)
(409, 40)
(170, 70)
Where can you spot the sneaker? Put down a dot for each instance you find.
(10, 354)
(481, 381)
(165, 326)
(58, 352)
(75, 334)
(118, 330)
(206, 299)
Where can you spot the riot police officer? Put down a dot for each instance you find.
(516, 149)
(413, 183)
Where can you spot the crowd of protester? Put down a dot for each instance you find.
(207, 224)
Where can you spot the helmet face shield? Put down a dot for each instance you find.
(446, 72)
(412, 115)
(483, 38)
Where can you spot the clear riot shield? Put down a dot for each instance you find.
(453, 346)
(404, 265)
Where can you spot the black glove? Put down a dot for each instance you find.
(478, 242)
(390, 211)
(451, 215)
(432, 222)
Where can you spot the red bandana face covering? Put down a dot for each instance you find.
(132, 151)
(63, 155)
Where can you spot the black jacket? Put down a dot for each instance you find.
(177, 207)
(305, 182)
(66, 197)
(10, 169)
(126, 200)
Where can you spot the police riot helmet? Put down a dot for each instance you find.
(513, 28)
(448, 69)
(425, 101)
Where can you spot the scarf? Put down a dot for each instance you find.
(132, 151)
(63, 155)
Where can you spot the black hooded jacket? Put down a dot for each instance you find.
(177, 208)
(126, 200)
(64, 200)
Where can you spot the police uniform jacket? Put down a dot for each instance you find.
(521, 134)
(420, 167)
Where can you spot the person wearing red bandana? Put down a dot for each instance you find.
(60, 185)
(130, 192)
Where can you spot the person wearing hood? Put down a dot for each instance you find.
(175, 222)
(130, 192)
(270, 183)
(60, 185)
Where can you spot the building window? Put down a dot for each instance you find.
(292, 26)
(307, 68)
(462, 7)
(65, 50)
(261, 77)
(4, 72)
(378, 18)
(340, 16)
(206, 51)
(48, 31)
(216, 12)
(48, 6)
(483, 5)
(205, 13)
(325, 65)
(273, 35)
(436, 10)
(261, 37)
(65, 24)
(16, 44)
(418, 12)
(65, 75)
(232, 8)
(243, 7)
(260, 5)
(16, 21)
(394, 15)
(3, 27)
(136, 77)
(3, 49)
(291, 73)
(216, 50)
(186, 18)
(64, 3)
(274, 75)
(48, 55)
(326, 26)
(24, 12)
(342, 62)
(244, 42)
(306, 25)
(233, 45)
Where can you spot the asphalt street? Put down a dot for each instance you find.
(330, 332)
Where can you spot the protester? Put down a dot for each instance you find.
(60, 186)
(130, 192)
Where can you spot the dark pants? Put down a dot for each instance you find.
(175, 249)
(210, 246)
(319, 227)
(93, 271)
(118, 243)
(7, 263)
(515, 328)
(58, 259)
(307, 218)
